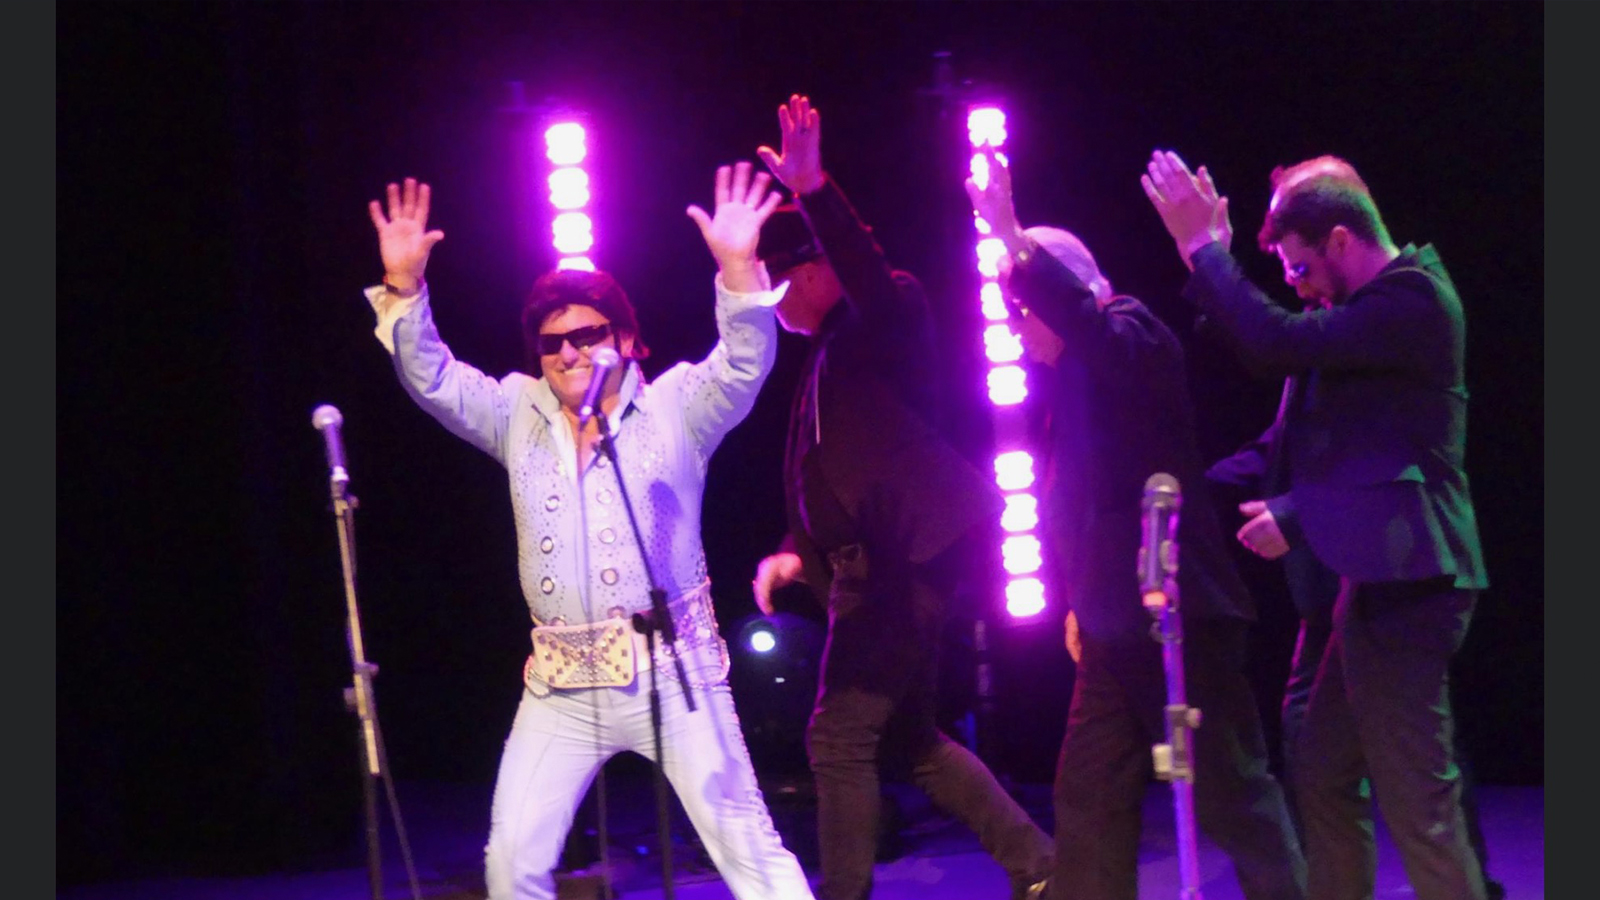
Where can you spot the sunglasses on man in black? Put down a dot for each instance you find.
(581, 339)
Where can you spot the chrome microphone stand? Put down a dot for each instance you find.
(657, 621)
(359, 696)
(1158, 583)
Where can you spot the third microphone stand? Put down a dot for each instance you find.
(656, 622)
(1174, 760)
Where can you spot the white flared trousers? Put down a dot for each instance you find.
(556, 747)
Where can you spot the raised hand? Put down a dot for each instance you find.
(1195, 215)
(733, 228)
(404, 240)
(799, 167)
(992, 201)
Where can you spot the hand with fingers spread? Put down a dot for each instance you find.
(1188, 203)
(993, 200)
(404, 241)
(799, 166)
(733, 227)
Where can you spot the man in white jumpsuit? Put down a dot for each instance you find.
(587, 678)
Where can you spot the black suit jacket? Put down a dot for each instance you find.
(882, 475)
(1375, 443)
(1257, 471)
(1120, 411)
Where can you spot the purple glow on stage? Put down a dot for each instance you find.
(571, 228)
(1008, 385)
(1021, 554)
(565, 143)
(1021, 513)
(994, 306)
(986, 125)
(569, 188)
(989, 252)
(1007, 380)
(1000, 344)
(1013, 470)
(574, 232)
(1024, 597)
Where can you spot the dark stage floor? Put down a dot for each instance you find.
(927, 857)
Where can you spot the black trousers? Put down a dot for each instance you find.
(1308, 650)
(1379, 714)
(1116, 716)
(876, 706)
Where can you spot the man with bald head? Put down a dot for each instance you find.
(1112, 376)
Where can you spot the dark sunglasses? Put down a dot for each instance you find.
(580, 338)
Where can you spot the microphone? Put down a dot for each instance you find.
(601, 362)
(327, 420)
(1158, 549)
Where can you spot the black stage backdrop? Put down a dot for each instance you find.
(214, 161)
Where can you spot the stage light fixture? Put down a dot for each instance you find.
(773, 675)
(1007, 381)
(762, 640)
(570, 192)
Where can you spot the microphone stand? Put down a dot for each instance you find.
(657, 621)
(360, 700)
(1174, 762)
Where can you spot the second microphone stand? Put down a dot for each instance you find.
(1175, 758)
(656, 622)
(360, 700)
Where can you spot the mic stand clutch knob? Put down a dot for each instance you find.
(659, 621)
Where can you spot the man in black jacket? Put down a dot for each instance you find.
(1119, 412)
(879, 505)
(1373, 436)
(1254, 471)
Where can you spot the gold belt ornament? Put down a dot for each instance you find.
(581, 656)
(607, 653)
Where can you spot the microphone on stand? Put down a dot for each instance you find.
(327, 420)
(1158, 548)
(601, 362)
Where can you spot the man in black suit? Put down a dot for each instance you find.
(879, 506)
(1373, 439)
(1119, 411)
(1257, 470)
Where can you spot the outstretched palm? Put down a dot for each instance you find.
(799, 167)
(1188, 203)
(404, 240)
(733, 228)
